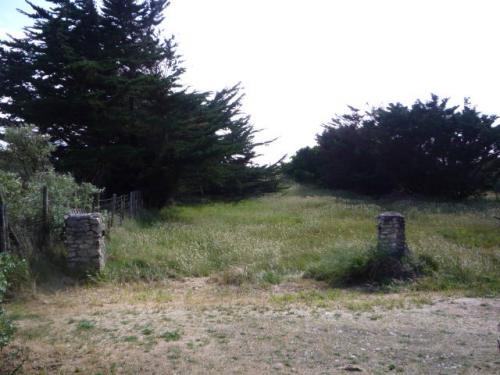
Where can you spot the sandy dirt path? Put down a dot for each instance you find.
(196, 327)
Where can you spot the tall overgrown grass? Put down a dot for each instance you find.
(308, 232)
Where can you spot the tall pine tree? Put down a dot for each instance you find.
(105, 86)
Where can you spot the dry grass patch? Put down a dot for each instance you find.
(295, 327)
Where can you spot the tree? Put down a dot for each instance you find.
(26, 154)
(429, 148)
(304, 166)
(105, 87)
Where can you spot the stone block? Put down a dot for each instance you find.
(84, 241)
(391, 234)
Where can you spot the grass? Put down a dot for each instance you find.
(171, 335)
(352, 300)
(268, 239)
(85, 325)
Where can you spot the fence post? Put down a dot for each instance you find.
(122, 209)
(113, 210)
(96, 206)
(4, 232)
(45, 217)
(135, 203)
(131, 204)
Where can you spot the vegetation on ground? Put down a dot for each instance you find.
(302, 327)
(308, 232)
(13, 273)
(102, 91)
(25, 169)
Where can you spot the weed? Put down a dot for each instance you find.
(234, 276)
(171, 335)
(36, 332)
(85, 325)
(271, 277)
(174, 353)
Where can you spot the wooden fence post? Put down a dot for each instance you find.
(113, 210)
(122, 209)
(4, 232)
(135, 203)
(96, 206)
(131, 204)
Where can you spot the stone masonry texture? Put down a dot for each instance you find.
(84, 241)
(391, 234)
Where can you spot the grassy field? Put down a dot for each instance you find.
(220, 289)
(286, 235)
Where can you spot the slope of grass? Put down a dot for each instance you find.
(273, 237)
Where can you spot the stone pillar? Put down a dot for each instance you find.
(391, 234)
(84, 241)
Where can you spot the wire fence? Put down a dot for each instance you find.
(28, 233)
(117, 207)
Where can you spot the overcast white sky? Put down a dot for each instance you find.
(300, 62)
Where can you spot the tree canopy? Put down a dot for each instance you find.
(104, 85)
(429, 148)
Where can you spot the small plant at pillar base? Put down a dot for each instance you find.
(390, 260)
(366, 266)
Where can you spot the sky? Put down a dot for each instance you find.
(301, 62)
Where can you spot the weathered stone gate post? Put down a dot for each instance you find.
(391, 234)
(84, 240)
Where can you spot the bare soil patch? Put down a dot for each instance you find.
(198, 327)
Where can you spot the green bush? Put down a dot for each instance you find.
(24, 171)
(7, 330)
(366, 266)
(337, 267)
(13, 271)
(24, 200)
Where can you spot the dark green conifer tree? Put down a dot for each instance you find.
(105, 87)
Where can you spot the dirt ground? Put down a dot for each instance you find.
(195, 326)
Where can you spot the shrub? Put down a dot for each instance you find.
(234, 276)
(304, 166)
(365, 266)
(428, 149)
(271, 277)
(12, 272)
(24, 170)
